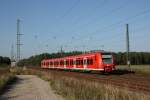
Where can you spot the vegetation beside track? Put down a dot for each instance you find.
(76, 89)
(4, 61)
(139, 69)
(5, 77)
(82, 89)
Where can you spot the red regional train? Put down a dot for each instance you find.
(97, 61)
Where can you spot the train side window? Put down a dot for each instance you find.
(84, 61)
(81, 62)
(67, 62)
(90, 61)
(77, 62)
(74, 62)
(51, 63)
(61, 62)
(71, 62)
(55, 63)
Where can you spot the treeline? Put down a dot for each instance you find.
(36, 60)
(4, 60)
(136, 58)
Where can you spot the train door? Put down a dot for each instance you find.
(79, 63)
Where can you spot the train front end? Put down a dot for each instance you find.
(108, 62)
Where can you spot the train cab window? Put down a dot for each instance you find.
(107, 58)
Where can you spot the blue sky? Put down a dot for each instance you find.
(74, 24)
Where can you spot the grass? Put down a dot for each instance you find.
(141, 69)
(5, 77)
(81, 89)
(77, 89)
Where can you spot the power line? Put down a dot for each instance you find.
(70, 9)
(120, 22)
(89, 14)
(103, 16)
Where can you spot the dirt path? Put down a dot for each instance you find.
(29, 87)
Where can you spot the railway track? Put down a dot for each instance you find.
(132, 82)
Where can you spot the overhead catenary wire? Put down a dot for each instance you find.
(92, 12)
(111, 26)
(103, 3)
(70, 9)
(102, 16)
(119, 22)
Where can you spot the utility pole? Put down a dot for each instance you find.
(128, 46)
(61, 51)
(13, 62)
(18, 40)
